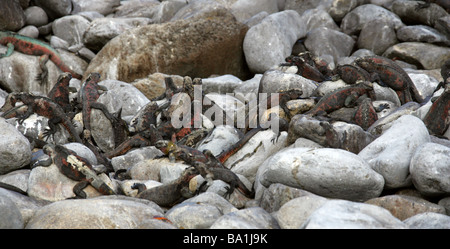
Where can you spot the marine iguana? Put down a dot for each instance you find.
(45, 107)
(169, 194)
(30, 46)
(76, 168)
(224, 174)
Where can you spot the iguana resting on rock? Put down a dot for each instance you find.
(76, 168)
(169, 194)
(30, 46)
(44, 106)
(224, 174)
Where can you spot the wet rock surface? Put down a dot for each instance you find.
(331, 154)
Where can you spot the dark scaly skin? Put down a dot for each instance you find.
(226, 175)
(119, 126)
(60, 92)
(167, 195)
(76, 168)
(224, 155)
(30, 46)
(351, 74)
(145, 138)
(365, 114)
(89, 93)
(305, 69)
(185, 153)
(437, 119)
(44, 106)
(145, 117)
(340, 98)
(391, 74)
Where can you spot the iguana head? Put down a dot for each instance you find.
(165, 146)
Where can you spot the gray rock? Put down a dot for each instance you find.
(224, 48)
(71, 28)
(429, 169)
(274, 197)
(155, 224)
(296, 211)
(420, 33)
(355, 20)
(57, 42)
(377, 36)
(15, 149)
(220, 139)
(17, 178)
(248, 218)
(322, 171)
(390, 154)
(196, 8)
(406, 10)
(94, 213)
(103, 7)
(324, 41)
(428, 220)
(30, 31)
(133, 157)
(26, 205)
(340, 8)
(35, 16)
(147, 9)
(443, 25)
(254, 20)
(445, 202)
(191, 215)
(221, 84)
(12, 16)
(303, 5)
(10, 216)
(122, 95)
(102, 30)
(55, 8)
(274, 81)
(404, 207)
(215, 200)
(244, 9)
(351, 215)
(270, 42)
(423, 55)
(261, 146)
(424, 83)
(318, 17)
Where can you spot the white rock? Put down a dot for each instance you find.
(244, 9)
(15, 149)
(390, 154)
(340, 214)
(333, 173)
(249, 218)
(430, 169)
(220, 139)
(191, 215)
(274, 81)
(249, 158)
(96, 213)
(428, 220)
(270, 42)
(296, 211)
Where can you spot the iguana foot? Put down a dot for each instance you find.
(49, 132)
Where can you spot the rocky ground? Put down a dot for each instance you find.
(393, 174)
